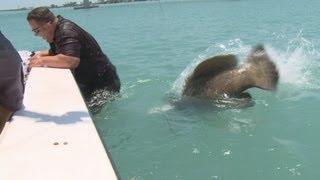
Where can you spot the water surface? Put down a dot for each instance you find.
(156, 44)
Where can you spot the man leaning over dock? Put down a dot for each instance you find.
(73, 48)
(11, 81)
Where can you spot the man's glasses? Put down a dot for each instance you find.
(36, 31)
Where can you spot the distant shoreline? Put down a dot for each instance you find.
(74, 4)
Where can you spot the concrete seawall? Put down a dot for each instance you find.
(53, 136)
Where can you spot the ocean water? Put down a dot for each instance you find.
(155, 45)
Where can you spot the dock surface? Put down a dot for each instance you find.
(53, 136)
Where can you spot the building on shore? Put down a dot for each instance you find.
(86, 5)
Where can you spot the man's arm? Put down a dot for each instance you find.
(42, 53)
(56, 61)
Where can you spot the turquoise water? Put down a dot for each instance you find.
(156, 44)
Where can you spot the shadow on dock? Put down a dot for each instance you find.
(67, 118)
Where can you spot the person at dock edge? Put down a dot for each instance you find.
(11, 81)
(73, 48)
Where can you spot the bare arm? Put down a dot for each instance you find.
(56, 61)
(42, 53)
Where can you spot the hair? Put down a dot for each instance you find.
(41, 14)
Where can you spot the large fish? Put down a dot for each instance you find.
(220, 77)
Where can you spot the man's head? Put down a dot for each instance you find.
(42, 22)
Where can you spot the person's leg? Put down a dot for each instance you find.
(5, 114)
(11, 84)
(109, 80)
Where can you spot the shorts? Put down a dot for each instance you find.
(11, 92)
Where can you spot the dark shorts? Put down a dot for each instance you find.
(11, 92)
(108, 81)
(11, 82)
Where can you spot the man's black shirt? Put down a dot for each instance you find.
(72, 40)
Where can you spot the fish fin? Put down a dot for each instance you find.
(215, 65)
(206, 70)
(262, 69)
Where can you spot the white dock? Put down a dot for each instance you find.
(53, 137)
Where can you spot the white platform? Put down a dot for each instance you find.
(53, 137)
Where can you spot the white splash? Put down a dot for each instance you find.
(163, 108)
(143, 80)
(297, 64)
(195, 151)
(227, 152)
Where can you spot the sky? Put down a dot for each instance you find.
(13, 4)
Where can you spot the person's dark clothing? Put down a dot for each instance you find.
(95, 70)
(11, 77)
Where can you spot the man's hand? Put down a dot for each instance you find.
(56, 61)
(35, 61)
(41, 53)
